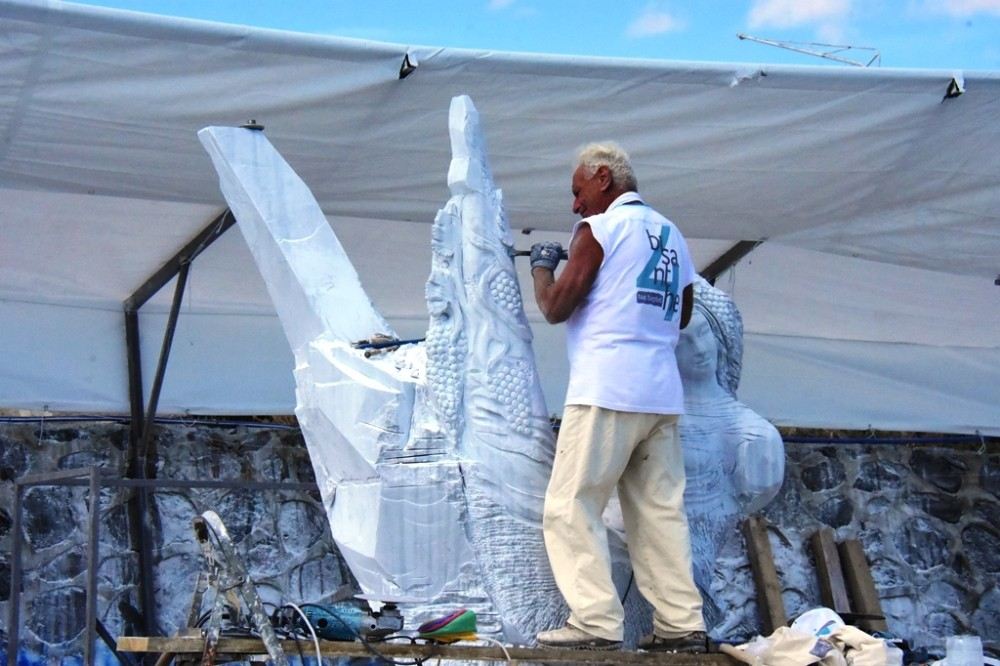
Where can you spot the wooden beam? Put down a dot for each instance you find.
(832, 590)
(770, 605)
(250, 646)
(861, 587)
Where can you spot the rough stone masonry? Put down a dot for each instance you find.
(927, 516)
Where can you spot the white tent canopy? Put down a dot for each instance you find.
(871, 304)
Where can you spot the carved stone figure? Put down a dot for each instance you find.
(432, 459)
(733, 457)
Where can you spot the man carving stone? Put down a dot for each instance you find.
(625, 293)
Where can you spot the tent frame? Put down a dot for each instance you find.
(728, 259)
(141, 453)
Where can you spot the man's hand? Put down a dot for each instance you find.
(546, 255)
(557, 299)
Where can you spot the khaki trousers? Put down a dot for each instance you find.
(641, 454)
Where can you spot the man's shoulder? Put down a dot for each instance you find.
(652, 212)
(626, 218)
(662, 219)
(642, 215)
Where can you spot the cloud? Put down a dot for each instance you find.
(963, 8)
(831, 33)
(653, 21)
(791, 13)
(517, 10)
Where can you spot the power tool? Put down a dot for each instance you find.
(346, 620)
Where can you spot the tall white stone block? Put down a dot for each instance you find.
(432, 460)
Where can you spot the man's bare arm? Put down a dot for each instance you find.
(557, 299)
(687, 304)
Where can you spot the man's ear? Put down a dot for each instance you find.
(604, 174)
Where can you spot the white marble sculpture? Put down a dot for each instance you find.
(432, 459)
(733, 457)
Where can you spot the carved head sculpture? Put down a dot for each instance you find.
(727, 326)
(733, 457)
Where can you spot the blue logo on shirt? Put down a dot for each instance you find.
(657, 283)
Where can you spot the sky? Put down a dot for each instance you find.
(937, 34)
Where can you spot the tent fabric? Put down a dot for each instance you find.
(871, 303)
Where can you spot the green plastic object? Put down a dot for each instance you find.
(460, 625)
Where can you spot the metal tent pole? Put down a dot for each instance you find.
(140, 464)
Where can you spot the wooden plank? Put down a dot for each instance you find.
(832, 590)
(770, 605)
(249, 646)
(861, 587)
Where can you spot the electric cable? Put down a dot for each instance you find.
(628, 588)
(287, 634)
(498, 644)
(319, 656)
(298, 647)
(125, 420)
(921, 439)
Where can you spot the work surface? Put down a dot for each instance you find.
(247, 646)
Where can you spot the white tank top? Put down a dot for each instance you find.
(621, 338)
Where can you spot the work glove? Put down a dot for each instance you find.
(546, 255)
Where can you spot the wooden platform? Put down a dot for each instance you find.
(185, 647)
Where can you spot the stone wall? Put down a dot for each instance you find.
(283, 535)
(927, 516)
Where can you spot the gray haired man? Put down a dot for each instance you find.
(624, 294)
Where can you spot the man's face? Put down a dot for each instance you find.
(590, 193)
